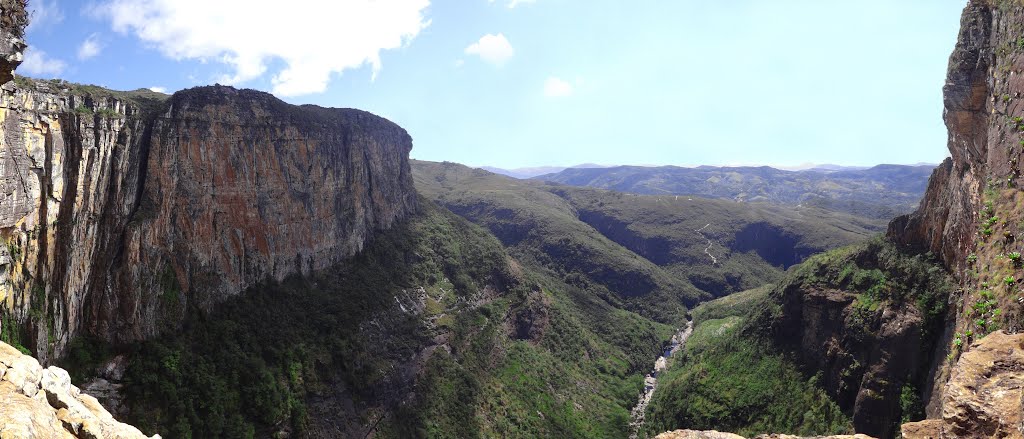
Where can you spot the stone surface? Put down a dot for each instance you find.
(712, 434)
(985, 393)
(864, 358)
(120, 213)
(38, 403)
(13, 19)
(945, 222)
(694, 434)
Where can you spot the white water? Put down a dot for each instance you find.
(636, 419)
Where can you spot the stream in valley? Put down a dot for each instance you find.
(636, 418)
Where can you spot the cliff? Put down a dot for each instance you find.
(971, 221)
(123, 212)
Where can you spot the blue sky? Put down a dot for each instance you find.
(514, 83)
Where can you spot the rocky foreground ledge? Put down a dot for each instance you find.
(711, 434)
(42, 403)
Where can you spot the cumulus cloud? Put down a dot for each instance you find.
(557, 87)
(494, 49)
(90, 47)
(38, 63)
(313, 38)
(159, 89)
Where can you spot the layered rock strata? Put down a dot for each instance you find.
(121, 214)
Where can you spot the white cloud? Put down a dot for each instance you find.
(313, 38)
(556, 87)
(159, 89)
(43, 14)
(513, 3)
(90, 47)
(37, 63)
(494, 49)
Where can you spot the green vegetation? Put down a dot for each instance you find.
(109, 113)
(145, 100)
(647, 253)
(736, 376)
(487, 348)
(731, 382)
(882, 274)
(984, 313)
(911, 405)
(10, 334)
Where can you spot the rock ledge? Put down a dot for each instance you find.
(43, 403)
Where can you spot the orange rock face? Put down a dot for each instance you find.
(120, 221)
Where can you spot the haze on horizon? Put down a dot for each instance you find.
(525, 83)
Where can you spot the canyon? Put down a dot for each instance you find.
(264, 269)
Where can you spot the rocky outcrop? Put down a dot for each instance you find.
(694, 434)
(865, 356)
(124, 212)
(945, 223)
(985, 393)
(711, 434)
(13, 19)
(42, 403)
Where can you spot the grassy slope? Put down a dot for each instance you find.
(334, 355)
(735, 377)
(541, 229)
(729, 382)
(632, 245)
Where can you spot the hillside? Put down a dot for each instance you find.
(432, 331)
(644, 249)
(881, 192)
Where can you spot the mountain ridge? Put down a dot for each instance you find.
(881, 191)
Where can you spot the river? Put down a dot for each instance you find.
(636, 419)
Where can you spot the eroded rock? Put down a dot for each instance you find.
(983, 397)
(712, 434)
(38, 403)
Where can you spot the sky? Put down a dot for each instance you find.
(518, 83)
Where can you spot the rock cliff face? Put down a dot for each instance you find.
(983, 397)
(945, 223)
(238, 187)
(122, 212)
(971, 219)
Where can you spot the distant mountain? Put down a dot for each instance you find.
(651, 248)
(536, 171)
(880, 192)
